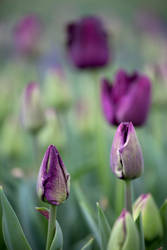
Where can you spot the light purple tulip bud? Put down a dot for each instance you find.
(53, 179)
(32, 113)
(126, 155)
(27, 34)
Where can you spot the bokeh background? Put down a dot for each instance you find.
(138, 39)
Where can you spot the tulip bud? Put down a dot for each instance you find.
(27, 34)
(124, 235)
(151, 220)
(127, 99)
(57, 92)
(52, 131)
(32, 112)
(87, 43)
(12, 138)
(126, 155)
(53, 179)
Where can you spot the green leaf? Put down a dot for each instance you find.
(57, 243)
(163, 214)
(87, 212)
(12, 231)
(104, 227)
(88, 244)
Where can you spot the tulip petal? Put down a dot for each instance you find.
(134, 106)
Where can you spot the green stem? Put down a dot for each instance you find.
(35, 151)
(128, 196)
(51, 226)
(119, 196)
(103, 173)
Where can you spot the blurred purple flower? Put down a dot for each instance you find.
(150, 22)
(87, 43)
(126, 155)
(128, 99)
(53, 179)
(27, 34)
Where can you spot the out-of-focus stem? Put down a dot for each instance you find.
(51, 226)
(128, 196)
(35, 151)
(119, 196)
(102, 167)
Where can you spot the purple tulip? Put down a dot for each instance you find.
(126, 155)
(128, 99)
(27, 34)
(87, 43)
(53, 179)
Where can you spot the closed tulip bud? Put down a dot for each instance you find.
(127, 100)
(53, 179)
(32, 114)
(57, 91)
(52, 131)
(87, 43)
(27, 34)
(124, 235)
(126, 155)
(151, 220)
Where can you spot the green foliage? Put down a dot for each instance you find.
(57, 243)
(12, 231)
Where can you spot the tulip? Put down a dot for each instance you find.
(124, 235)
(52, 131)
(56, 88)
(32, 114)
(151, 220)
(53, 179)
(27, 34)
(128, 99)
(126, 155)
(87, 43)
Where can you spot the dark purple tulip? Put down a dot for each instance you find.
(53, 179)
(87, 43)
(27, 34)
(128, 99)
(126, 155)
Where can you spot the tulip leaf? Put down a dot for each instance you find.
(12, 231)
(104, 227)
(87, 212)
(57, 243)
(163, 213)
(44, 211)
(88, 244)
(140, 230)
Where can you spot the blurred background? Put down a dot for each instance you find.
(74, 121)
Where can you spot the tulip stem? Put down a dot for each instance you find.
(128, 196)
(51, 226)
(36, 151)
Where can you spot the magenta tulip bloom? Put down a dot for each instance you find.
(126, 155)
(53, 179)
(87, 43)
(27, 34)
(128, 99)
